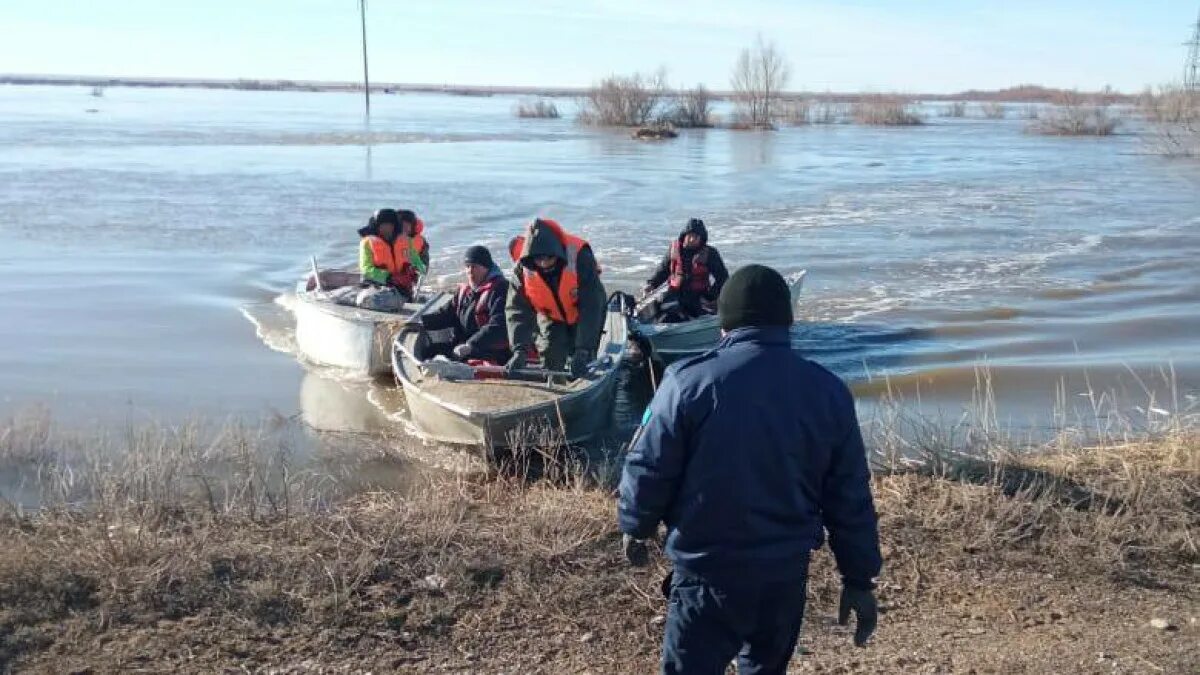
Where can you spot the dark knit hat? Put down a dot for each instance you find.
(479, 255)
(386, 216)
(755, 296)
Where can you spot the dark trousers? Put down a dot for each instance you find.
(711, 623)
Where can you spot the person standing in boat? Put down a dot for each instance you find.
(476, 313)
(392, 255)
(555, 296)
(694, 273)
(750, 453)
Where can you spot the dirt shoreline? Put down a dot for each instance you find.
(1051, 563)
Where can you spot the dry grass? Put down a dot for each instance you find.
(883, 110)
(536, 109)
(177, 550)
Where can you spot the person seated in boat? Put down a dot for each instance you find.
(694, 274)
(475, 316)
(392, 254)
(554, 295)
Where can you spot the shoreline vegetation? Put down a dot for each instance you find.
(1026, 93)
(1168, 117)
(169, 549)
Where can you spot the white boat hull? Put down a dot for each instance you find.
(352, 339)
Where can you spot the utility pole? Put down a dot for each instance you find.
(1191, 68)
(362, 10)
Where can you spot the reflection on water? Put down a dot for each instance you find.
(328, 404)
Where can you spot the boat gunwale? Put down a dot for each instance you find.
(487, 417)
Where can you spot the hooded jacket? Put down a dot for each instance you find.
(488, 341)
(716, 266)
(522, 317)
(749, 453)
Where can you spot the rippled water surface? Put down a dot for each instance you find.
(135, 241)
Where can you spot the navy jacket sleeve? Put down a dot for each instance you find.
(445, 317)
(716, 267)
(495, 331)
(847, 509)
(654, 465)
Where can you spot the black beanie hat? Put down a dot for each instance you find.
(479, 255)
(755, 296)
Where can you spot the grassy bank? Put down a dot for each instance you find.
(193, 555)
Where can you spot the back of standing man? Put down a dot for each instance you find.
(750, 454)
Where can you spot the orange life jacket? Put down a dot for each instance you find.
(560, 304)
(396, 258)
(695, 279)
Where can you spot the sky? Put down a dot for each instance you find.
(930, 46)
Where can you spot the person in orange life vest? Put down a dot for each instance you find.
(694, 271)
(393, 251)
(476, 313)
(554, 296)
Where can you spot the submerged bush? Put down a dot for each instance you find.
(956, 109)
(693, 109)
(994, 111)
(624, 100)
(885, 111)
(1073, 114)
(537, 109)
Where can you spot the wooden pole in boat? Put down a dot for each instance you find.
(312, 259)
(362, 9)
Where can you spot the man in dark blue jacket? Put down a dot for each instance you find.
(749, 453)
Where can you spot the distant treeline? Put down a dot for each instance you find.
(1025, 93)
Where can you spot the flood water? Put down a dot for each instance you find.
(137, 240)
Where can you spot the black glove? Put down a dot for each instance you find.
(579, 363)
(862, 603)
(635, 551)
(516, 362)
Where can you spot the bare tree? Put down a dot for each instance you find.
(759, 75)
(624, 100)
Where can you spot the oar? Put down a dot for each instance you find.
(312, 259)
(415, 319)
(499, 373)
